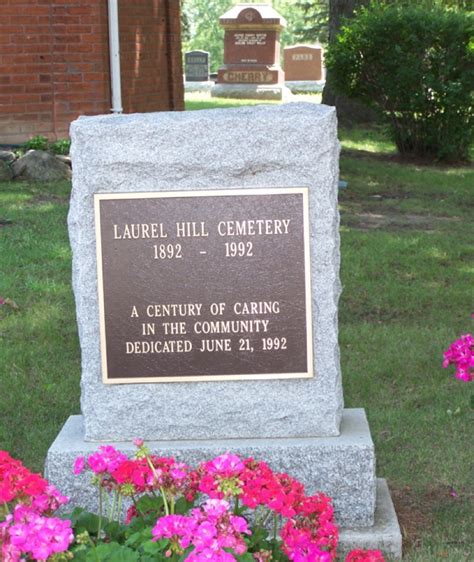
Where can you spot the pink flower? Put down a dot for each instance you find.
(204, 535)
(226, 463)
(360, 555)
(79, 465)
(43, 503)
(215, 508)
(177, 528)
(239, 524)
(461, 354)
(138, 442)
(36, 536)
(107, 459)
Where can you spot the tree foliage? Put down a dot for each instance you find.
(203, 31)
(415, 66)
(306, 22)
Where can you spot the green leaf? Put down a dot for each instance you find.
(182, 506)
(85, 521)
(247, 557)
(151, 547)
(139, 538)
(112, 552)
(148, 503)
(115, 531)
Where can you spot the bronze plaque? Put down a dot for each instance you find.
(204, 285)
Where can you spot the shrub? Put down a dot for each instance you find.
(60, 146)
(416, 67)
(39, 142)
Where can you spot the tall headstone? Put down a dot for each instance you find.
(206, 280)
(196, 66)
(251, 54)
(303, 62)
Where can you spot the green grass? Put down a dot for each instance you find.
(407, 276)
(407, 273)
(203, 100)
(369, 140)
(39, 351)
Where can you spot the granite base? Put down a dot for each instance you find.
(305, 86)
(198, 86)
(251, 91)
(343, 467)
(384, 535)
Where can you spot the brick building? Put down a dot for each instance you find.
(54, 62)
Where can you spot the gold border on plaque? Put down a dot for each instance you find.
(98, 197)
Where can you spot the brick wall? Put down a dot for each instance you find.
(54, 62)
(150, 55)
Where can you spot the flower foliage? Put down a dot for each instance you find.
(27, 502)
(461, 354)
(224, 510)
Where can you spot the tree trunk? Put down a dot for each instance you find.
(348, 110)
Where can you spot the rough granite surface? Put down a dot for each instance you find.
(343, 467)
(288, 145)
(384, 535)
(251, 91)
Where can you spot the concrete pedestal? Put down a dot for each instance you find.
(251, 91)
(384, 534)
(305, 86)
(343, 467)
(198, 86)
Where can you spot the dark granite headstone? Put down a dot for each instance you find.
(196, 66)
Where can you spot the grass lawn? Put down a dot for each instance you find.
(407, 275)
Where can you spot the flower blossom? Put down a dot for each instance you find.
(27, 533)
(360, 555)
(461, 354)
(210, 529)
(220, 477)
(105, 460)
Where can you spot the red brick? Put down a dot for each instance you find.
(13, 89)
(71, 75)
(9, 108)
(26, 79)
(23, 20)
(26, 98)
(80, 10)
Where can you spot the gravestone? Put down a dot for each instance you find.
(196, 66)
(303, 62)
(251, 54)
(206, 282)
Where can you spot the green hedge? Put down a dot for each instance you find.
(416, 67)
